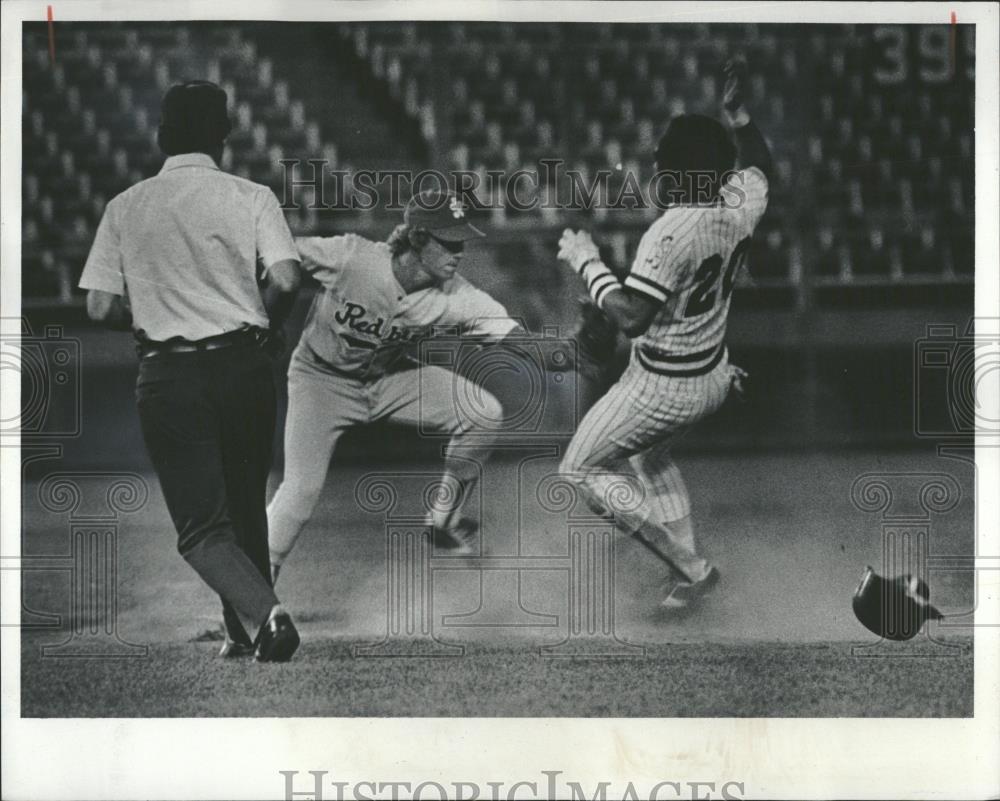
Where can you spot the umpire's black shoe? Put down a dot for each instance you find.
(277, 639)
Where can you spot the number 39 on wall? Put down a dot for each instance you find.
(932, 61)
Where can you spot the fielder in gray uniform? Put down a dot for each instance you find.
(351, 365)
(674, 304)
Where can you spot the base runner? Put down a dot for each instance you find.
(351, 365)
(674, 304)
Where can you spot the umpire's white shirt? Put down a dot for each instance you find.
(183, 246)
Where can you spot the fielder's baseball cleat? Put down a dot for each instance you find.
(277, 639)
(458, 541)
(684, 594)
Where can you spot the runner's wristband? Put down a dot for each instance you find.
(600, 281)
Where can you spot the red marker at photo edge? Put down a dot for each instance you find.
(952, 40)
(52, 36)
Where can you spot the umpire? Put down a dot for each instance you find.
(175, 259)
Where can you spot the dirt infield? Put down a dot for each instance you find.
(532, 628)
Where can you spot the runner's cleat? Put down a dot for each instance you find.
(684, 594)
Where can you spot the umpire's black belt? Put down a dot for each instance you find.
(147, 348)
(687, 365)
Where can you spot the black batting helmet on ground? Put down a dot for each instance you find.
(893, 608)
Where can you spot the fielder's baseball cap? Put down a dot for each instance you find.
(193, 117)
(441, 214)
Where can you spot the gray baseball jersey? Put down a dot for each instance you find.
(361, 318)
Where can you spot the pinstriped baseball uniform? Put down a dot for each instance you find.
(679, 371)
(350, 368)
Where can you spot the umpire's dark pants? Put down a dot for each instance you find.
(208, 419)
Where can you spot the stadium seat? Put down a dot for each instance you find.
(883, 174)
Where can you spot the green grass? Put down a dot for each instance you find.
(682, 680)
